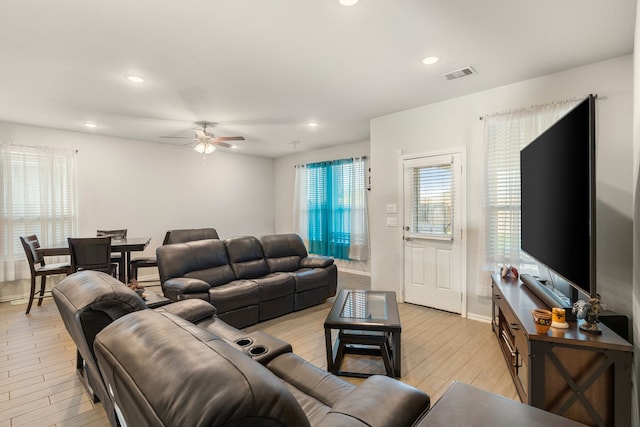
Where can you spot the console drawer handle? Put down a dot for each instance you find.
(507, 341)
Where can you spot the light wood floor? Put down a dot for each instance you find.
(39, 385)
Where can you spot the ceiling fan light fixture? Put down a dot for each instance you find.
(205, 148)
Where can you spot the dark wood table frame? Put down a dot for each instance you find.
(124, 246)
(364, 333)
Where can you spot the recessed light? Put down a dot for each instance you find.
(312, 124)
(430, 60)
(134, 79)
(348, 2)
(90, 125)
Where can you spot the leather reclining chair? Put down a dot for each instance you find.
(182, 365)
(90, 300)
(208, 382)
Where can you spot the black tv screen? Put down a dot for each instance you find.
(557, 171)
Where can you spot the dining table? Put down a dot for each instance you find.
(123, 246)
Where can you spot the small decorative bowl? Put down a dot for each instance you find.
(542, 320)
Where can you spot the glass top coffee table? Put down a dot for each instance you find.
(368, 323)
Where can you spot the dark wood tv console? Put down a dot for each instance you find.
(576, 374)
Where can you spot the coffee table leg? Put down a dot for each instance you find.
(397, 355)
(329, 347)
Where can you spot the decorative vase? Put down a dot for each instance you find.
(542, 320)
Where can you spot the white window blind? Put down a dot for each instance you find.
(504, 136)
(38, 197)
(432, 189)
(330, 208)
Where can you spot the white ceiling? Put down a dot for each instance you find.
(264, 68)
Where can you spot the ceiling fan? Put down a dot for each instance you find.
(206, 140)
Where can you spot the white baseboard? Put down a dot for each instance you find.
(358, 272)
(479, 317)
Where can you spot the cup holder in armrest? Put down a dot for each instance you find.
(243, 342)
(258, 350)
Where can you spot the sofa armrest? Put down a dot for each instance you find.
(379, 401)
(316, 262)
(193, 310)
(175, 288)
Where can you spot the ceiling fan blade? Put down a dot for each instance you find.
(222, 144)
(229, 138)
(200, 133)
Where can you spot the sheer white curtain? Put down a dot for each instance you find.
(300, 208)
(38, 187)
(359, 240)
(505, 135)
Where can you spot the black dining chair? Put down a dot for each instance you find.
(39, 268)
(91, 253)
(115, 235)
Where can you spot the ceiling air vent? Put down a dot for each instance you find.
(462, 72)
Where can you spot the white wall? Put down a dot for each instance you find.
(455, 123)
(284, 183)
(150, 188)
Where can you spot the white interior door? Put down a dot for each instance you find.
(433, 231)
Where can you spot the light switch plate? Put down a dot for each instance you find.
(392, 221)
(392, 208)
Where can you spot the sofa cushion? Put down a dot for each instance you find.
(246, 257)
(307, 279)
(206, 382)
(283, 251)
(275, 285)
(202, 259)
(234, 295)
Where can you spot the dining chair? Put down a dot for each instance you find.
(91, 253)
(144, 262)
(38, 267)
(115, 235)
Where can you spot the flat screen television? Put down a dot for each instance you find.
(558, 211)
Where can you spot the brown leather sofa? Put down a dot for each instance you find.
(182, 365)
(247, 279)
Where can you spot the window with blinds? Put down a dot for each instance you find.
(329, 191)
(432, 190)
(38, 196)
(505, 135)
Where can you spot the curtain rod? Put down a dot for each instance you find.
(352, 158)
(537, 106)
(75, 150)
